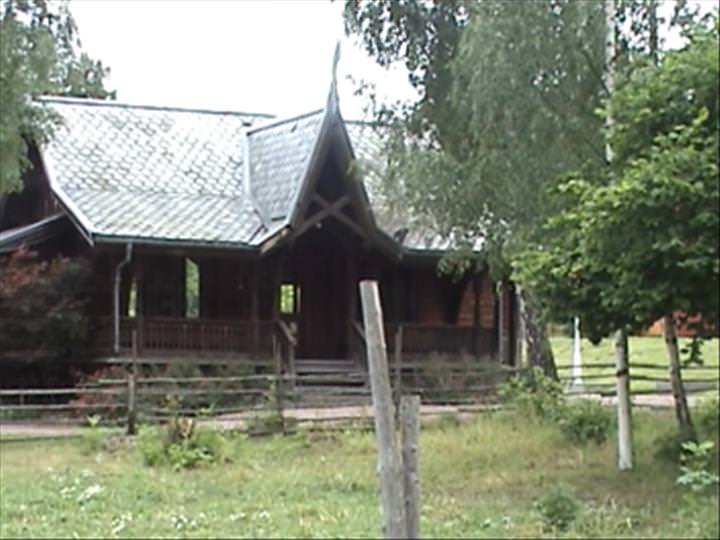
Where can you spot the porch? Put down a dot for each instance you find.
(266, 339)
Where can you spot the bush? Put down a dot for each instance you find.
(93, 435)
(707, 416)
(534, 394)
(557, 508)
(182, 445)
(584, 420)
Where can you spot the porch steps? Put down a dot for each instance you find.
(330, 382)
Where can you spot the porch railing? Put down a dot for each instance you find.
(189, 335)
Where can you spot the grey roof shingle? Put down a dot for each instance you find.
(152, 173)
(279, 154)
(178, 175)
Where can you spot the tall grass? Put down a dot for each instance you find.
(478, 479)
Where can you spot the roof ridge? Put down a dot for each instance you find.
(282, 121)
(91, 102)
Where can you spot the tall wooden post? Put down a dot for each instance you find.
(682, 411)
(389, 465)
(624, 418)
(410, 434)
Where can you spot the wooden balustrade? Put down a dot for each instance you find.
(443, 338)
(187, 335)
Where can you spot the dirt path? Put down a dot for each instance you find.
(330, 415)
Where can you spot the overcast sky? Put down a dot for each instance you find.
(270, 56)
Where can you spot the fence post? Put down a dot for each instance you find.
(410, 430)
(132, 389)
(622, 373)
(389, 465)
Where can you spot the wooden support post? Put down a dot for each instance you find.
(139, 304)
(476, 315)
(397, 360)
(132, 389)
(410, 435)
(255, 310)
(389, 465)
(625, 458)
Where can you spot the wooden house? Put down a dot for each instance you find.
(271, 214)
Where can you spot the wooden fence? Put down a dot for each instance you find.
(243, 389)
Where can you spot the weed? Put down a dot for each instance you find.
(557, 508)
(534, 394)
(92, 435)
(583, 420)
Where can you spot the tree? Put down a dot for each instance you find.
(512, 110)
(39, 54)
(642, 241)
(42, 308)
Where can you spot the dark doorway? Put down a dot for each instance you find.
(320, 270)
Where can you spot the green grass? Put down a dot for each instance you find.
(644, 350)
(478, 479)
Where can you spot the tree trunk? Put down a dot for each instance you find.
(539, 351)
(624, 405)
(682, 411)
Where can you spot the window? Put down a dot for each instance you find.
(289, 298)
(192, 290)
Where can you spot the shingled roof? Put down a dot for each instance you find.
(186, 176)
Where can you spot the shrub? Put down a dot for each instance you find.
(182, 445)
(584, 420)
(696, 462)
(557, 508)
(534, 394)
(707, 416)
(93, 435)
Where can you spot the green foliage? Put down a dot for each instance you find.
(642, 241)
(696, 461)
(583, 421)
(93, 435)
(478, 480)
(39, 54)
(182, 445)
(534, 394)
(707, 416)
(558, 508)
(537, 396)
(42, 308)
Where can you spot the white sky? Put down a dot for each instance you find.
(271, 56)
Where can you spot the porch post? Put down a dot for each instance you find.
(501, 321)
(352, 307)
(139, 318)
(254, 309)
(476, 315)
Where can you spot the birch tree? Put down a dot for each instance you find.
(627, 251)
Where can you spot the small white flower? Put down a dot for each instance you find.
(88, 493)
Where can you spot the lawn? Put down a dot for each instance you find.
(479, 478)
(643, 350)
